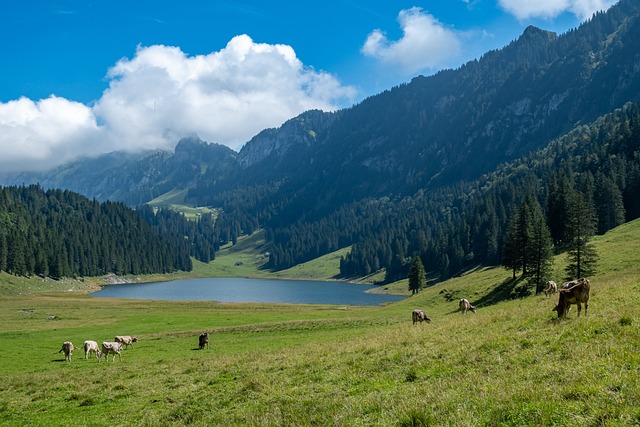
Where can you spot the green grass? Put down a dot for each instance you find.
(174, 200)
(247, 258)
(511, 364)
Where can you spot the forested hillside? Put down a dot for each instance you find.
(59, 233)
(596, 167)
(402, 172)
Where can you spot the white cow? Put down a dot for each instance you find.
(126, 340)
(91, 346)
(111, 347)
(550, 288)
(67, 348)
(465, 306)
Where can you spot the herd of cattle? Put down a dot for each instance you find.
(108, 347)
(114, 347)
(573, 292)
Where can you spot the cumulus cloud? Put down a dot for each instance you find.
(35, 135)
(426, 43)
(161, 95)
(583, 9)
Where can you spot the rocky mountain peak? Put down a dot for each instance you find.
(301, 130)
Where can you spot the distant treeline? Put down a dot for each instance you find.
(57, 233)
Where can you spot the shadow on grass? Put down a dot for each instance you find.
(509, 289)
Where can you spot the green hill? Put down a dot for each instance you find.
(511, 364)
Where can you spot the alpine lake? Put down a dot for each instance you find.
(234, 290)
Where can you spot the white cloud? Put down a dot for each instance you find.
(37, 135)
(583, 9)
(161, 95)
(425, 44)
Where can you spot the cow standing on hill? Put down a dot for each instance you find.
(465, 306)
(577, 294)
(91, 346)
(419, 316)
(550, 288)
(126, 340)
(113, 348)
(203, 340)
(67, 349)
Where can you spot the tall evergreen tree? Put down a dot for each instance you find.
(561, 191)
(541, 253)
(417, 275)
(581, 255)
(510, 258)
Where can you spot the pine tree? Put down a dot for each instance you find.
(510, 258)
(417, 275)
(581, 255)
(541, 250)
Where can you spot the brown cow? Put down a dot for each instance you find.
(419, 316)
(576, 294)
(203, 340)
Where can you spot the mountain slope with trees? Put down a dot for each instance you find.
(586, 182)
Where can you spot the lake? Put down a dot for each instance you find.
(250, 290)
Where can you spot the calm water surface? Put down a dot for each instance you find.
(250, 290)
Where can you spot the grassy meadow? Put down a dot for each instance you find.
(511, 364)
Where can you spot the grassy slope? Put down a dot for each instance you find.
(174, 199)
(510, 364)
(247, 259)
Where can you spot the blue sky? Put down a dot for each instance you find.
(87, 77)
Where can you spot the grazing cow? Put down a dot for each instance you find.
(203, 340)
(465, 306)
(572, 283)
(576, 294)
(126, 340)
(111, 347)
(91, 346)
(67, 348)
(550, 288)
(419, 316)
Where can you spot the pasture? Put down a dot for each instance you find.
(510, 364)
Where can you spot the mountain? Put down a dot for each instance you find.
(459, 124)
(135, 178)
